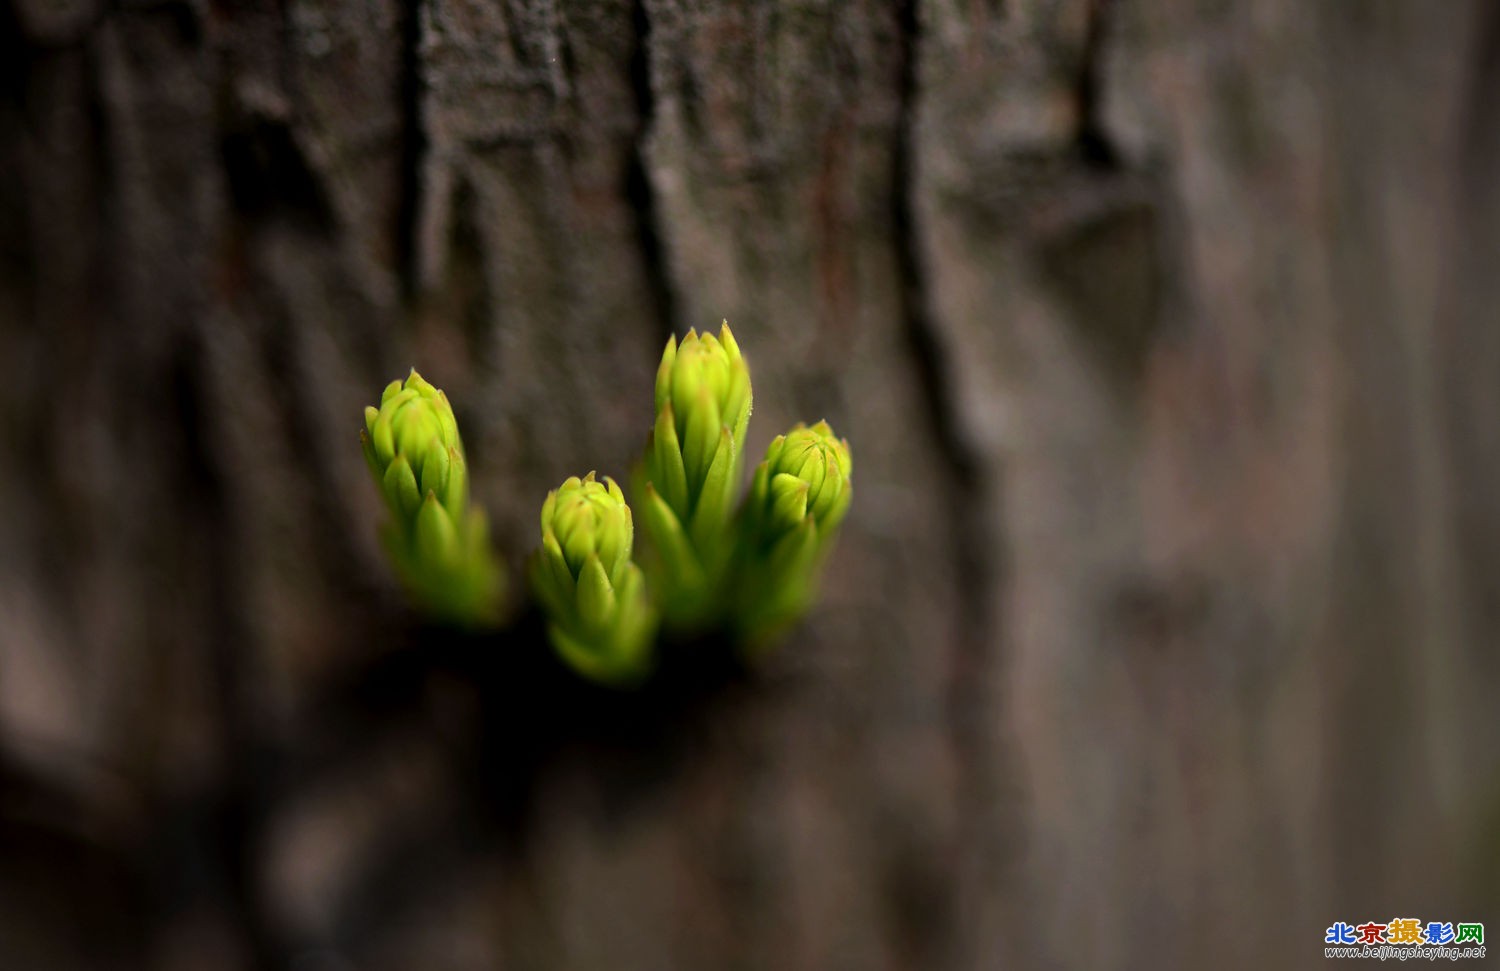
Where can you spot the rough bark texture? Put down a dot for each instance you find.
(1162, 632)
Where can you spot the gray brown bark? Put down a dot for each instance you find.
(1161, 632)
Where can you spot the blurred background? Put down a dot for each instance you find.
(1162, 632)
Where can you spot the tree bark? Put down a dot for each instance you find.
(1161, 632)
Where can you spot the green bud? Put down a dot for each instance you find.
(588, 517)
(599, 617)
(805, 474)
(702, 388)
(439, 545)
(799, 496)
(410, 418)
(693, 463)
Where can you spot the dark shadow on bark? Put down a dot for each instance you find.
(526, 714)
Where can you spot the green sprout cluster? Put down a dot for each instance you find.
(715, 560)
(750, 566)
(797, 500)
(690, 476)
(438, 542)
(599, 618)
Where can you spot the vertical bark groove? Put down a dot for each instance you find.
(969, 499)
(638, 188)
(215, 833)
(413, 149)
(1093, 141)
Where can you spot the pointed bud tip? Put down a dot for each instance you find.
(726, 338)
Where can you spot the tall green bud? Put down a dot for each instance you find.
(599, 618)
(437, 541)
(798, 498)
(692, 468)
